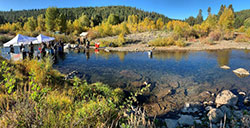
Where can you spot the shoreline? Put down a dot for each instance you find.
(142, 40)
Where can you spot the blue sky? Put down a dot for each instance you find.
(178, 9)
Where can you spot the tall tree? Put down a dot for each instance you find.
(199, 18)
(2, 20)
(159, 24)
(191, 20)
(231, 7)
(222, 7)
(226, 20)
(113, 19)
(51, 15)
(41, 23)
(84, 21)
(61, 23)
(30, 25)
(209, 10)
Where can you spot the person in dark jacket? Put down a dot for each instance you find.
(12, 49)
(43, 50)
(31, 50)
(22, 49)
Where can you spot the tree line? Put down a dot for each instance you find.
(97, 14)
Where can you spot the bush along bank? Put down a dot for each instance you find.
(33, 94)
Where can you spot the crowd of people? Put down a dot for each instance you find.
(50, 48)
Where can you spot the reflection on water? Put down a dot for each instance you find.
(175, 77)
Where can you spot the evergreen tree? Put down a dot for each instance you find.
(209, 10)
(199, 18)
(247, 23)
(113, 19)
(52, 14)
(191, 20)
(231, 7)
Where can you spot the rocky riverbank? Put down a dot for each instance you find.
(139, 43)
(227, 110)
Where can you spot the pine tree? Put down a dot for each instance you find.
(113, 19)
(199, 18)
(209, 10)
(51, 15)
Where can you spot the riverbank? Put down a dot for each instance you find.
(139, 42)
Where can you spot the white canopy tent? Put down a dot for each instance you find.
(42, 38)
(18, 40)
(84, 34)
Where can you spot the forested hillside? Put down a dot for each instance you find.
(96, 13)
(241, 16)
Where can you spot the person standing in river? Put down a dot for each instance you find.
(31, 50)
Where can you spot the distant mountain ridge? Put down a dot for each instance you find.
(73, 13)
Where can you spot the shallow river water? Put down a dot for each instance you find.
(176, 77)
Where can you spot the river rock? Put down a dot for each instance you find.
(238, 114)
(246, 121)
(225, 67)
(215, 115)
(241, 71)
(226, 111)
(186, 120)
(247, 101)
(191, 107)
(226, 97)
(208, 108)
(242, 93)
(171, 123)
(198, 121)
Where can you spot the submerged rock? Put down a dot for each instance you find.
(226, 111)
(225, 67)
(247, 101)
(238, 114)
(186, 120)
(171, 123)
(226, 97)
(215, 115)
(241, 72)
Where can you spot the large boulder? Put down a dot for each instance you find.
(226, 97)
(215, 115)
(171, 123)
(186, 120)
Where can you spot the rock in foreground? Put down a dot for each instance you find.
(226, 97)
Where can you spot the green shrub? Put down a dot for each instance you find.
(180, 43)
